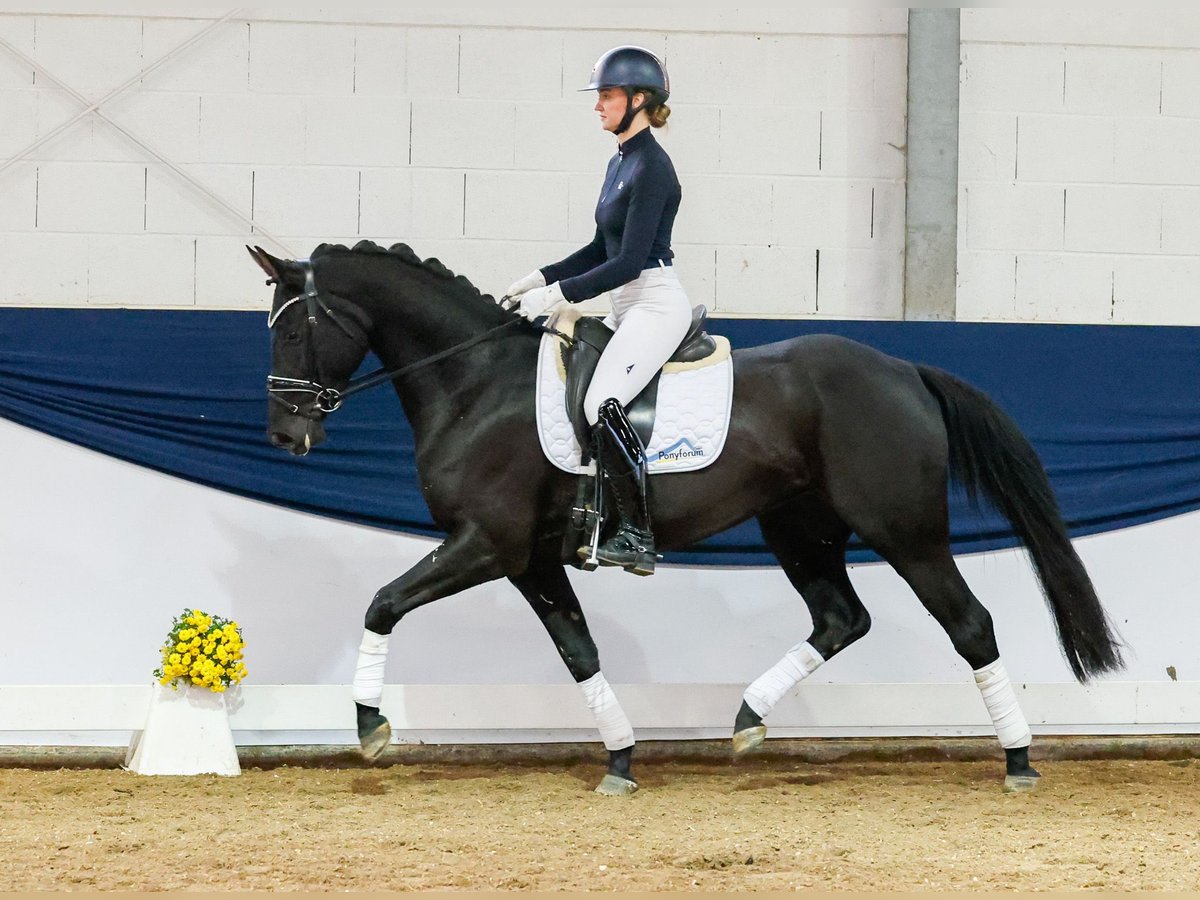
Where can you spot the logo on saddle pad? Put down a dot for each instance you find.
(681, 449)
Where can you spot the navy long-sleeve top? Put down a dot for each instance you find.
(634, 216)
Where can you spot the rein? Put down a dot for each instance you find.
(328, 399)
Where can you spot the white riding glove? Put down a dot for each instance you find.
(534, 279)
(539, 301)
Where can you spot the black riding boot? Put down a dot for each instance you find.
(621, 462)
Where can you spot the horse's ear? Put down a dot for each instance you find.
(268, 263)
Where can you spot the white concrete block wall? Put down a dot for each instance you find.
(44, 268)
(19, 185)
(99, 52)
(19, 32)
(20, 112)
(93, 198)
(437, 209)
(310, 199)
(1079, 173)
(528, 206)
(175, 207)
(358, 130)
(116, 264)
(168, 123)
(1147, 290)
(1180, 222)
(464, 136)
(218, 66)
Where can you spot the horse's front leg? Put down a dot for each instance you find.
(550, 594)
(463, 560)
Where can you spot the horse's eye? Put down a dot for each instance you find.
(292, 337)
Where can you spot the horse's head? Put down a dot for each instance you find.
(317, 341)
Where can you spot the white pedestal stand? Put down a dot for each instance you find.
(186, 733)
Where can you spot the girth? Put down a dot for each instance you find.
(581, 356)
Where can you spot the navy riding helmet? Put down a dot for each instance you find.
(633, 69)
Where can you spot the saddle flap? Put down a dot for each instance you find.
(579, 360)
(581, 357)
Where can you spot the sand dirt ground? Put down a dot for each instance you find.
(758, 824)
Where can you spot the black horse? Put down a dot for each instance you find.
(828, 438)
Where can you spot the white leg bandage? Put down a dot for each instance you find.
(615, 730)
(770, 687)
(1001, 702)
(368, 675)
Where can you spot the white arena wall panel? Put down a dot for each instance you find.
(97, 556)
(1077, 142)
(300, 120)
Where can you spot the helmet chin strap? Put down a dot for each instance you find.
(630, 112)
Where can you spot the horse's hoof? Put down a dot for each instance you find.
(749, 738)
(376, 742)
(1020, 784)
(616, 786)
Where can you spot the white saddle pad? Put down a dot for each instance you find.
(691, 420)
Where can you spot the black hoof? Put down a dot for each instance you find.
(620, 763)
(619, 781)
(1019, 775)
(746, 718)
(748, 730)
(374, 732)
(1017, 763)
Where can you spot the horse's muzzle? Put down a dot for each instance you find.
(297, 437)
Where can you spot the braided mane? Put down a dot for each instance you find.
(405, 254)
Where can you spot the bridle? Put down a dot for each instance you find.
(327, 399)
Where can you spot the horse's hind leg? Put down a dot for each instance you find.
(553, 599)
(940, 587)
(810, 543)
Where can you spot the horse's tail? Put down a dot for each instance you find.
(988, 452)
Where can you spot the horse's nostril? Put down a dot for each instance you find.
(280, 439)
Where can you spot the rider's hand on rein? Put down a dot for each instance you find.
(534, 279)
(538, 301)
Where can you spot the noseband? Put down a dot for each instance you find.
(328, 399)
(325, 399)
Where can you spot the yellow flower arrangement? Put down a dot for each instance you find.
(203, 650)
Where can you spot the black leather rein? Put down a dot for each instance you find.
(329, 399)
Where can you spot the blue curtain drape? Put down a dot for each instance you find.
(1114, 412)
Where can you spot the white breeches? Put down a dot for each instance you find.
(650, 315)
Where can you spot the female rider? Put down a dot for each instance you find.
(631, 257)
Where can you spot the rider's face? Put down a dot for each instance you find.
(611, 104)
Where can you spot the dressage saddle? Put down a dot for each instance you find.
(581, 356)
